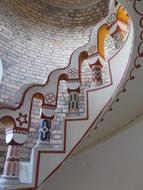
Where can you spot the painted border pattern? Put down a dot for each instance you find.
(131, 77)
(137, 63)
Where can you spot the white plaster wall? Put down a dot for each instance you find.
(1, 70)
(116, 164)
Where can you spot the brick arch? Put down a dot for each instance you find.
(102, 33)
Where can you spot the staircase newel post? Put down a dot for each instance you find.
(15, 138)
(117, 26)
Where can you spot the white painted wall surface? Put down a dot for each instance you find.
(116, 164)
(1, 70)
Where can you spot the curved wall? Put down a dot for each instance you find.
(36, 38)
(1, 70)
(113, 164)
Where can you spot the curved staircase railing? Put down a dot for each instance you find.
(16, 118)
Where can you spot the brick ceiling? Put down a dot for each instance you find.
(61, 13)
(70, 4)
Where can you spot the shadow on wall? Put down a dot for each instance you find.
(113, 164)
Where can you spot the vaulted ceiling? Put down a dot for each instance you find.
(70, 4)
(67, 13)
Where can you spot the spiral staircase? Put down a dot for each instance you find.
(124, 24)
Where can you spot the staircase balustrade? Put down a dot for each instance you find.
(18, 118)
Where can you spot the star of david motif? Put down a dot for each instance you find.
(22, 119)
(111, 18)
(72, 72)
(50, 98)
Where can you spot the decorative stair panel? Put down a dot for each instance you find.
(97, 99)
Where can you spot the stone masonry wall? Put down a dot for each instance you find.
(34, 40)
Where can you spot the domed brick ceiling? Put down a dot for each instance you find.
(70, 4)
(37, 36)
(72, 13)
